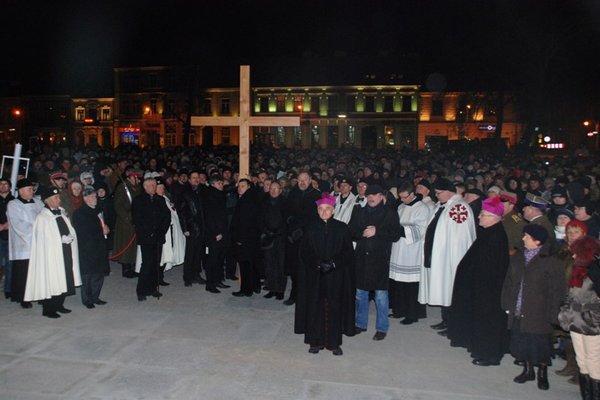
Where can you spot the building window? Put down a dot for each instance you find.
(225, 107)
(437, 108)
(297, 136)
(407, 103)
(388, 103)
(280, 136)
(207, 106)
(92, 112)
(169, 139)
(105, 113)
(370, 104)
(79, 114)
(314, 104)
(153, 106)
(351, 103)
(280, 103)
(350, 134)
(225, 136)
(264, 104)
(314, 135)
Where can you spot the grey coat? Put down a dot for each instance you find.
(581, 311)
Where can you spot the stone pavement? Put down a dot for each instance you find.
(194, 345)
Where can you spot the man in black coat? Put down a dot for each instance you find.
(92, 234)
(244, 236)
(374, 228)
(151, 219)
(190, 209)
(302, 212)
(476, 320)
(217, 228)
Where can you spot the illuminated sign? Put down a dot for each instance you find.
(488, 128)
(553, 146)
(130, 130)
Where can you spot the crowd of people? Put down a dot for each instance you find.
(506, 245)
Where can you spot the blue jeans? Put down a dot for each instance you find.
(382, 322)
(6, 265)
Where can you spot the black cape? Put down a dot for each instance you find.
(325, 301)
(476, 319)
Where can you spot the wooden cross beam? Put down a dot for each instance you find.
(244, 121)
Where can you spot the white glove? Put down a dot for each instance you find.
(66, 239)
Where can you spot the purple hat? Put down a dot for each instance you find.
(493, 205)
(327, 199)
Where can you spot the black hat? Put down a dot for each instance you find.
(100, 185)
(444, 184)
(373, 189)
(475, 191)
(88, 190)
(565, 211)
(559, 191)
(424, 182)
(589, 205)
(48, 192)
(537, 232)
(344, 179)
(159, 180)
(21, 183)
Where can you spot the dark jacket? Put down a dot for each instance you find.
(215, 217)
(244, 227)
(373, 254)
(302, 210)
(3, 204)
(151, 218)
(543, 289)
(190, 209)
(93, 251)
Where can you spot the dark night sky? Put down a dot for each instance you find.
(71, 47)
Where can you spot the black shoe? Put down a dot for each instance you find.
(482, 362)
(63, 310)
(51, 314)
(408, 321)
(358, 331)
(289, 302)
(141, 298)
(440, 326)
(527, 375)
(257, 290)
(379, 336)
(542, 378)
(221, 285)
(212, 289)
(187, 284)
(200, 280)
(279, 296)
(393, 316)
(269, 295)
(232, 277)
(519, 363)
(156, 294)
(314, 349)
(443, 333)
(163, 283)
(90, 306)
(337, 352)
(26, 304)
(239, 293)
(100, 302)
(7, 295)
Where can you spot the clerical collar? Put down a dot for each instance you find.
(55, 212)
(415, 201)
(25, 201)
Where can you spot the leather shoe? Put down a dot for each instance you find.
(156, 294)
(257, 290)
(141, 298)
(440, 326)
(239, 293)
(163, 283)
(100, 302)
(379, 336)
(337, 352)
(314, 349)
(200, 280)
(482, 362)
(223, 286)
(279, 296)
(358, 331)
(26, 304)
(63, 310)
(187, 284)
(519, 363)
(393, 316)
(408, 321)
(90, 306)
(443, 333)
(232, 277)
(212, 289)
(289, 302)
(51, 314)
(269, 295)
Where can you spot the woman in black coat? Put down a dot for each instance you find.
(531, 295)
(93, 251)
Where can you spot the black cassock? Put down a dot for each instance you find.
(325, 300)
(476, 320)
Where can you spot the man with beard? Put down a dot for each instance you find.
(54, 264)
(151, 219)
(302, 211)
(92, 234)
(191, 218)
(216, 234)
(21, 213)
(476, 320)
(374, 228)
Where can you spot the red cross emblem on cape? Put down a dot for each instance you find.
(459, 213)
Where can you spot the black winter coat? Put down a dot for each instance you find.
(151, 218)
(190, 209)
(244, 227)
(93, 250)
(373, 254)
(216, 217)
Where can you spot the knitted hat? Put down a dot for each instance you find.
(537, 232)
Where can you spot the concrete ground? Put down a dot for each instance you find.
(194, 345)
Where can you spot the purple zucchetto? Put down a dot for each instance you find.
(327, 199)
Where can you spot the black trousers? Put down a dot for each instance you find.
(19, 279)
(274, 258)
(91, 285)
(214, 266)
(403, 300)
(53, 304)
(248, 276)
(148, 279)
(192, 263)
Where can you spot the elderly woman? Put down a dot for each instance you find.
(581, 314)
(531, 295)
(326, 284)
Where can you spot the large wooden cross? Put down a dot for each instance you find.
(244, 121)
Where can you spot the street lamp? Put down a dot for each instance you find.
(595, 125)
